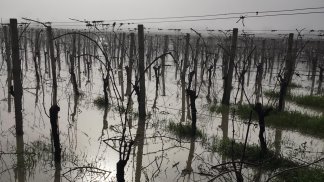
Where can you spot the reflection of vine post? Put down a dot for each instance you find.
(20, 158)
(188, 169)
(224, 127)
(55, 132)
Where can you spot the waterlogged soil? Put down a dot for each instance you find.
(89, 156)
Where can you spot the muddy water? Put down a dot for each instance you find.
(88, 156)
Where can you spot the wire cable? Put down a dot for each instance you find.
(235, 17)
(208, 15)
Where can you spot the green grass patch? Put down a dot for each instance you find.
(214, 108)
(122, 109)
(252, 154)
(270, 161)
(294, 85)
(100, 102)
(183, 130)
(314, 101)
(271, 93)
(296, 121)
(310, 125)
(310, 101)
(302, 175)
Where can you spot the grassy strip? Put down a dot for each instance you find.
(100, 102)
(214, 108)
(302, 175)
(310, 125)
(310, 100)
(314, 101)
(294, 85)
(270, 161)
(183, 130)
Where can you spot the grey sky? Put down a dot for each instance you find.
(61, 10)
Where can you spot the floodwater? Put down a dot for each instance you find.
(87, 155)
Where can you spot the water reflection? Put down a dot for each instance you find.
(75, 107)
(277, 142)
(105, 122)
(188, 170)
(57, 174)
(140, 145)
(224, 127)
(21, 174)
(86, 126)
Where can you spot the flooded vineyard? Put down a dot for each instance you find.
(113, 105)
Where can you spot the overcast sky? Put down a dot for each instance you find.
(62, 10)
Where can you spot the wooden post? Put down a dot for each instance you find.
(149, 56)
(25, 50)
(118, 50)
(129, 69)
(165, 49)
(289, 70)
(209, 83)
(183, 79)
(49, 70)
(202, 63)
(272, 59)
(79, 60)
(259, 75)
(320, 80)
(114, 48)
(196, 61)
(120, 66)
(9, 64)
(176, 52)
(249, 64)
(192, 95)
(72, 65)
(229, 74)
(52, 57)
(142, 107)
(55, 108)
(314, 58)
(85, 58)
(36, 57)
(16, 63)
(141, 104)
(58, 54)
(156, 73)
(46, 52)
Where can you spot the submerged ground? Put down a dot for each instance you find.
(89, 133)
